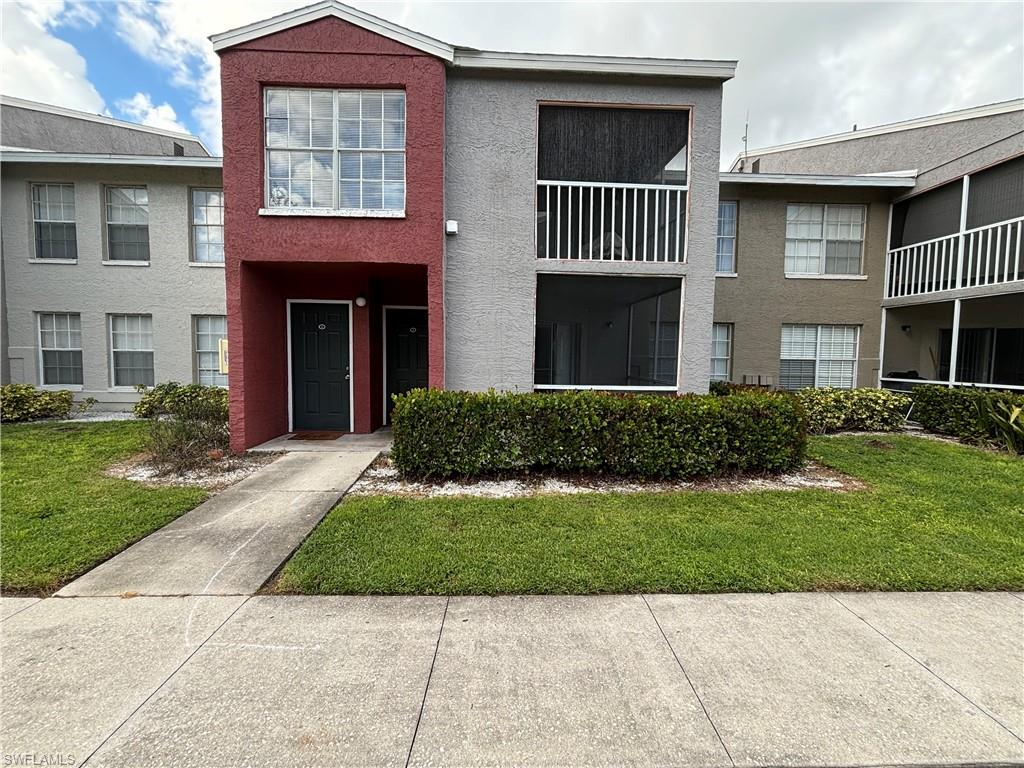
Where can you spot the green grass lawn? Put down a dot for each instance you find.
(60, 515)
(936, 516)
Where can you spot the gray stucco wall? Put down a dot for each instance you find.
(921, 148)
(490, 185)
(170, 289)
(35, 129)
(761, 298)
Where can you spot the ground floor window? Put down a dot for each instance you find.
(60, 343)
(131, 350)
(818, 356)
(721, 351)
(210, 330)
(614, 332)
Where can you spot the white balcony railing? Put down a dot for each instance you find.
(597, 221)
(989, 255)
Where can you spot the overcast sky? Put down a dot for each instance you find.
(805, 69)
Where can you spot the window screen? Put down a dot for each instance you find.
(53, 218)
(60, 342)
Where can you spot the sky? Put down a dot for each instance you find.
(805, 69)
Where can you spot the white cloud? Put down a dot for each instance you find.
(140, 109)
(34, 64)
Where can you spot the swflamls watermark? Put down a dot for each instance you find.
(37, 759)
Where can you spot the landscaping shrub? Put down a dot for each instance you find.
(965, 412)
(188, 425)
(464, 434)
(170, 397)
(853, 410)
(23, 402)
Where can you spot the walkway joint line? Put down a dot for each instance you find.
(928, 669)
(688, 681)
(426, 688)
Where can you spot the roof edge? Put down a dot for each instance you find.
(816, 180)
(24, 155)
(470, 58)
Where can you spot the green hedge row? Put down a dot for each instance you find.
(440, 433)
(173, 399)
(962, 412)
(23, 402)
(853, 410)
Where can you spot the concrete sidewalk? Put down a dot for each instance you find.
(231, 544)
(716, 680)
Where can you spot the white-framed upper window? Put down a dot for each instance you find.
(819, 356)
(209, 331)
(721, 351)
(208, 226)
(127, 210)
(824, 239)
(341, 150)
(131, 350)
(53, 221)
(60, 348)
(725, 250)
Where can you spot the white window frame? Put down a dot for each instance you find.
(728, 358)
(192, 225)
(821, 274)
(336, 150)
(817, 350)
(196, 352)
(107, 223)
(733, 237)
(114, 387)
(73, 221)
(42, 349)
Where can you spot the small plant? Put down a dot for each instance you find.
(188, 425)
(171, 396)
(1006, 421)
(23, 402)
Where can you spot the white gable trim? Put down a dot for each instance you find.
(614, 65)
(332, 8)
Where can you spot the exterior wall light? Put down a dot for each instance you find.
(360, 301)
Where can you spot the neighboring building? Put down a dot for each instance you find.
(584, 191)
(106, 269)
(950, 276)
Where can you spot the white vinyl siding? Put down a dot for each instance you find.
(824, 239)
(127, 212)
(725, 250)
(60, 345)
(338, 150)
(818, 356)
(131, 350)
(721, 351)
(208, 226)
(209, 330)
(53, 221)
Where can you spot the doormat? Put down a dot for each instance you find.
(316, 436)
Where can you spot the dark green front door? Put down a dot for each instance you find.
(320, 367)
(406, 342)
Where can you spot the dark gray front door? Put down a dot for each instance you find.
(406, 340)
(320, 367)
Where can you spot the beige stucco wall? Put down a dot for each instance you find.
(761, 298)
(170, 289)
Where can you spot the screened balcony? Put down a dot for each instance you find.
(612, 184)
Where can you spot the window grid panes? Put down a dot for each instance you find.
(824, 239)
(53, 219)
(209, 330)
(208, 226)
(127, 223)
(60, 342)
(342, 150)
(721, 351)
(131, 347)
(818, 356)
(725, 253)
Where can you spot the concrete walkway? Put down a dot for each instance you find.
(232, 543)
(718, 680)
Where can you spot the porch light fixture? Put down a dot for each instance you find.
(451, 227)
(360, 301)
(905, 328)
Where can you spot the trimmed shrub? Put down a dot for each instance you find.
(171, 397)
(442, 434)
(23, 402)
(963, 412)
(853, 410)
